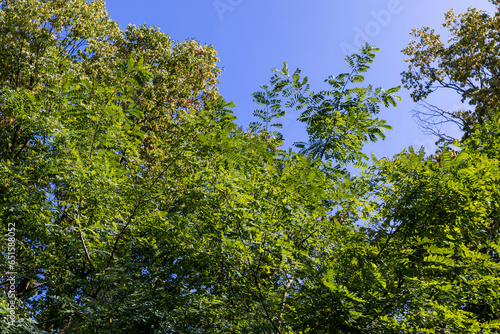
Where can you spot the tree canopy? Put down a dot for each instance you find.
(134, 203)
(467, 63)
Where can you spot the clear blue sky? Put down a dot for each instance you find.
(254, 36)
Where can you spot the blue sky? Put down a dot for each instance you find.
(254, 36)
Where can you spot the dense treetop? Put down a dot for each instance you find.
(136, 204)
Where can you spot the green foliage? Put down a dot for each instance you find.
(435, 232)
(281, 85)
(466, 63)
(140, 206)
(341, 120)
